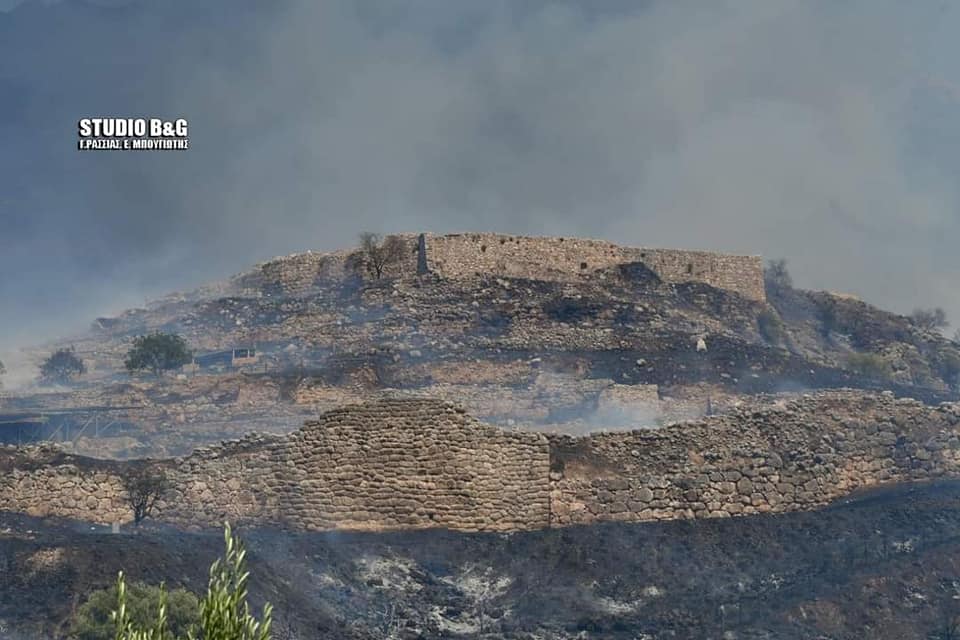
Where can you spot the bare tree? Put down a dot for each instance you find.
(930, 319)
(144, 488)
(956, 338)
(378, 255)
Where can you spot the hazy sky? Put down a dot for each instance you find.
(826, 132)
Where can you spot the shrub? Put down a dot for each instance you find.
(871, 365)
(157, 352)
(570, 310)
(829, 321)
(93, 619)
(61, 367)
(948, 366)
(224, 611)
(770, 326)
(930, 319)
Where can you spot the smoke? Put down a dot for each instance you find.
(822, 132)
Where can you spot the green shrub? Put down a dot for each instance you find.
(224, 613)
(871, 365)
(93, 621)
(770, 326)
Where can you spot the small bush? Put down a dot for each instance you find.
(570, 310)
(770, 326)
(93, 621)
(224, 613)
(871, 365)
(829, 321)
(948, 366)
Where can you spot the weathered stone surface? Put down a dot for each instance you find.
(414, 463)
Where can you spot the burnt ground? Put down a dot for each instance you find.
(883, 565)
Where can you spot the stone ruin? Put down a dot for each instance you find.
(419, 463)
(543, 258)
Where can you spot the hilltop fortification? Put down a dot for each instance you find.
(541, 258)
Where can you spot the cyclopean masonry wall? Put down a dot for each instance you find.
(544, 258)
(415, 463)
(402, 463)
(799, 455)
(549, 258)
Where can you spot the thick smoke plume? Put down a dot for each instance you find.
(822, 132)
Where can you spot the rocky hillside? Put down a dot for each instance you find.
(543, 348)
(884, 565)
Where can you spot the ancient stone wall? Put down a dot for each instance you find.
(796, 456)
(546, 258)
(300, 273)
(42, 481)
(403, 463)
(462, 255)
(414, 463)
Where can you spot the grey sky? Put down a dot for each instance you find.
(824, 132)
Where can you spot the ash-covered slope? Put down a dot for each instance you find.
(884, 565)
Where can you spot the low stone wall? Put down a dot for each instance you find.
(42, 481)
(415, 463)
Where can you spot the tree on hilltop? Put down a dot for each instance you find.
(158, 352)
(377, 254)
(2, 371)
(776, 277)
(930, 319)
(62, 366)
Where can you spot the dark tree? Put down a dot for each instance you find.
(61, 367)
(776, 277)
(158, 352)
(144, 487)
(956, 338)
(930, 319)
(378, 255)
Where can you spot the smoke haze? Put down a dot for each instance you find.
(827, 133)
